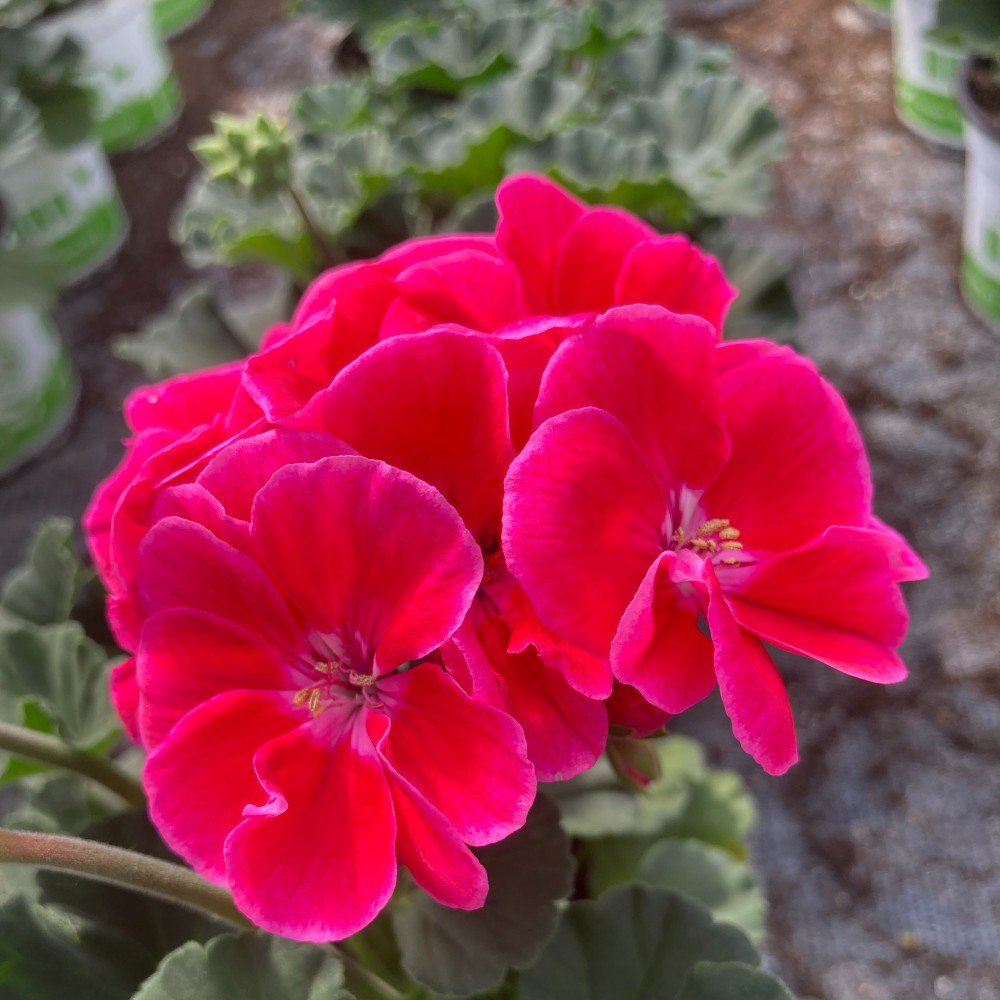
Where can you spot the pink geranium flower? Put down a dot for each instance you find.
(435, 404)
(552, 264)
(306, 738)
(671, 480)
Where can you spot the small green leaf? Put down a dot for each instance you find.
(710, 875)
(330, 107)
(53, 803)
(719, 811)
(44, 589)
(45, 955)
(65, 673)
(634, 943)
(248, 966)
(462, 951)
(732, 981)
(189, 335)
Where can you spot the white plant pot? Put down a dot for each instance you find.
(171, 17)
(65, 201)
(926, 75)
(127, 65)
(38, 386)
(981, 238)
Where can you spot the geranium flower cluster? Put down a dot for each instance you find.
(485, 498)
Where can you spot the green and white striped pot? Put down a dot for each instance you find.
(981, 238)
(38, 386)
(127, 66)
(926, 75)
(171, 17)
(64, 201)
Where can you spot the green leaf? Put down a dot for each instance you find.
(973, 24)
(62, 671)
(330, 107)
(44, 955)
(718, 811)
(19, 125)
(732, 981)
(188, 336)
(247, 966)
(634, 943)
(44, 589)
(709, 875)
(460, 951)
(53, 803)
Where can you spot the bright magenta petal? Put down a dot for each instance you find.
(187, 657)
(429, 847)
(369, 554)
(238, 472)
(628, 710)
(435, 405)
(200, 780)
(535, 216)
(904, 563)
(653, 371)
(581, 525)
(466, 758)
(753, 693)
(184, 401)
(591, 258)
(317, 863)
(659, 648)
(835, 600)
(125, 697)
(797, 463)
(672, 272)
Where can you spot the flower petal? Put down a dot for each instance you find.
(581, 525)
(672, 272)
(467, 759)
(435, 405)
(318, 862)
(202, 777)
(372, 555)
(591, 257)
(535, 215)
(654, 371)
(904, 563)
(187, 657)
(659, 648)
(835, 600)
(427, 844)
(797, 463)
(125, 697)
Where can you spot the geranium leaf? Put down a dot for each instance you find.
(53, 803)
(459, 951)
(718, 811)
(64, 673)
(634, 943)
(732, 980)
(711, 876)
(247, 966)
(44, 955)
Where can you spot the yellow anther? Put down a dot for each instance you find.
(314, 697)
(711, 527)
(729, 534)
(679, 536)
(301, 697)
(732, 545)
(699, 544)
(361, 680)
(325, 668)
(730, 562)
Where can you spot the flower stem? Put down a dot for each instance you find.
(357, 971)
(118, 866)
(329, 257)
(49, 750)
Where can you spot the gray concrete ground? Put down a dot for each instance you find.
(881, 851)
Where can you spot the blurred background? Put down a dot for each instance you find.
(824, 165)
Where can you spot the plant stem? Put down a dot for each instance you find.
(330, 257)
(357, 970)
(50, 750)
(117, 866)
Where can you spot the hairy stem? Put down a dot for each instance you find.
(357, 971)
(49, 750)
(115, 865)
(329, 256)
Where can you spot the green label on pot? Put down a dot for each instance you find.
(172, 16)
(135, 121)
(981, 238)
(37, 383)
(880, 5)
(65, 200)
(926, 74)
(982, 289)
(126, 65)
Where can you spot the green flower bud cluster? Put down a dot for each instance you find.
(252, 153)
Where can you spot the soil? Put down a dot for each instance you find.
(880, 851)
(984, 87)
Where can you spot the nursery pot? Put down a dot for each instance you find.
(981, 239)
(171, 17)
(65, 201)
(38, 387)
(926, 75)
(126, 65)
